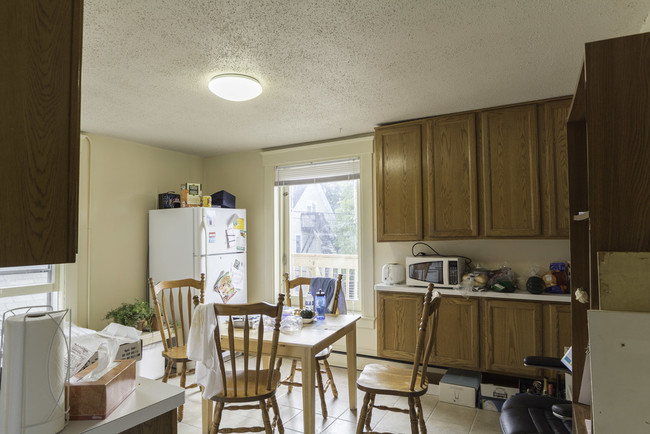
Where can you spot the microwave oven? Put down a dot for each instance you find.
(442, 271)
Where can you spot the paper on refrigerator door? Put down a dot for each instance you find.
(224, 287)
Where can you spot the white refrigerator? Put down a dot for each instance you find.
(185, 242)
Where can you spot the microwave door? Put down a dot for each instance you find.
(435, 272)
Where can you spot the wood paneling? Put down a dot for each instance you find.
(450, 178)
(555, 168)
(39, 131)
(399, 319)
(510, 172)
(399, 182)
(511, 330)
(457, 340)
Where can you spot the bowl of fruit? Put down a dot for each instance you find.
(307, 316)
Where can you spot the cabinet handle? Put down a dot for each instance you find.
(581, 216)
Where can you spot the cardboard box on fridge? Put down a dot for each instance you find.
(460, 387)
(98, 399)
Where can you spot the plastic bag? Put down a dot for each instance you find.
(291, 324)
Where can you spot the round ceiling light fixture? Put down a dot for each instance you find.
(235, 87)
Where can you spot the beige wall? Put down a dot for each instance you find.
(646, 24)
(242, 175)
(123, 182)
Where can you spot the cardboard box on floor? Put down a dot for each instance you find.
(98, 399)
(460, 387)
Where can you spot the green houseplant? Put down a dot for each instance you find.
(138, 314)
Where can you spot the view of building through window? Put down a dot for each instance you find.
(323, 232)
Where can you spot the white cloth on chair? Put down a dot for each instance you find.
(201, 348)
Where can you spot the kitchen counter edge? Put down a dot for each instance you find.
(517, 295)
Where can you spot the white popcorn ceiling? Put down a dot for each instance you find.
(329, 69)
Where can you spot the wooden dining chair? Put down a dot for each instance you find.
(301, 283)
(249, 384)
(376, 379)
(174, 302)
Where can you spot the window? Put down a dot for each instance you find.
(27, 286)
(309, 158)
(320, 204)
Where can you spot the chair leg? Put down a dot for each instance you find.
(216, 420)
(414, 418)
(183, 379)
(364, 413)
(276, 411)
(418, 406)
(371, 405)
(168, 370)
(321, 391)
(294, 363)
(331, 378)
(265, 417)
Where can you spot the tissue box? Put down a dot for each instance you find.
(460, 387)
(98, 399)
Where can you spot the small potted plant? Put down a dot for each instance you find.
(138, 314)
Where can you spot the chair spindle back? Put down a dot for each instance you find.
(423, 349)
(300, 282)
(174, 302)
(252, 313)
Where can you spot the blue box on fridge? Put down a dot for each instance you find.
(223, 199)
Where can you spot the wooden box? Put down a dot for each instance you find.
(97, 399)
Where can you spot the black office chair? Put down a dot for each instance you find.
(528, 413)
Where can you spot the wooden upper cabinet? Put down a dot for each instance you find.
(457, 340)
(399, 182)
(510, 172)
(511, 330)
(555, 168)
(39, 131)
(449, 177)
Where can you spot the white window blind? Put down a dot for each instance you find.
(311, 173)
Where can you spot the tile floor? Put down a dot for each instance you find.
(441, 417)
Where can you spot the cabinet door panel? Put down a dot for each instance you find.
(399, 319)
(555, 169)
(39, 131)
(399, 183)
(510, 172)
(457, 338)
(449, 186)
(511, 331)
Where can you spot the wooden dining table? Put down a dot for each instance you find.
(304, 345)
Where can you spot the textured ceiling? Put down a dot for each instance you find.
(329, 68)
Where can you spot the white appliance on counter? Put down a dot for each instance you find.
(185, 242)
(442, 271)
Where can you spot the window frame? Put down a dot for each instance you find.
(361, 147)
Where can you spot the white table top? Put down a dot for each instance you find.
(150, 399)
(517, 295)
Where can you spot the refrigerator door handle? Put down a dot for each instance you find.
(204, 251)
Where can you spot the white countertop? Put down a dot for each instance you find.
(517, 295)
(150, 399)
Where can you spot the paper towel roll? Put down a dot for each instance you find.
(32, 395)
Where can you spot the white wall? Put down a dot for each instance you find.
(122, 180)
(646, 25)
(242, 175)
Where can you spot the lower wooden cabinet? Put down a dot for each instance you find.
(399, 319)
(511, 330)
(482, 334)
(457, 340)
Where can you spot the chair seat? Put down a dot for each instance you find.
(387, 380)
(528, 413)
(244, 393)
(324, 354)
(176, 354)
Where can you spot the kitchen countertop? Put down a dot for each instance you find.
(517, 295)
